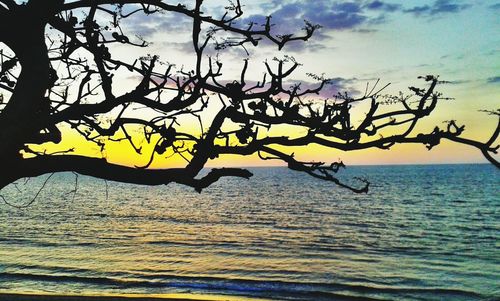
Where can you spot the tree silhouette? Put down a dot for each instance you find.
(78, 37)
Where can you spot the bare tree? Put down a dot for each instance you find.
(78, 37)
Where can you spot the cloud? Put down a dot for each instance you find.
(457, 82)
(365, 30)
(495, 6)
(146, 25)
(383, 6)
(493, 80)
(335, 86)
(418, 10)
(338, 16)
(438, 8)
(331, 15)
(339, 85)
(287, 18)
(300, 46)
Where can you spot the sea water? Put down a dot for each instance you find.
(428, 232)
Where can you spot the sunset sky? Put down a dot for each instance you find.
(360, 42)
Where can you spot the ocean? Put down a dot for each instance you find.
(423, 232)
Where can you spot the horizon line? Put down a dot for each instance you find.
(380, 164)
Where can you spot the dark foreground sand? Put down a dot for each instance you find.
(167, 297)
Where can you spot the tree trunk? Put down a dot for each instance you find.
(23, 116)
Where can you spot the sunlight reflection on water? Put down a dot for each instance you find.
(423, 232)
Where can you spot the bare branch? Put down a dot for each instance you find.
(70, 66)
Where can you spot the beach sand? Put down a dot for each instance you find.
(131, 297)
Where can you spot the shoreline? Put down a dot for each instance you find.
(119, 297)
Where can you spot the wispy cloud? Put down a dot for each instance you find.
(495, 6)
(147, 25)
(457, 82)
(331, 15)
(439, 7)
(383, 6)
(493, 80)
(335, 86)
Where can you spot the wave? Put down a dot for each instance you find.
(282, 289)
(43, 243)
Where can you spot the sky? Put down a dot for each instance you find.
(360, 42)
